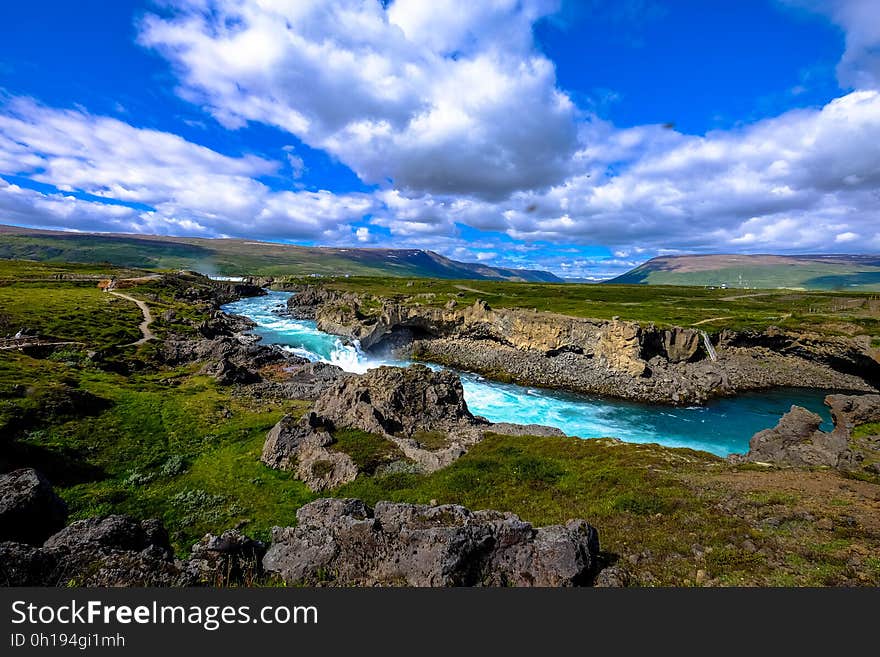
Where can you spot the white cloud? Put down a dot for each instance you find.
(859, 68)
(184, 186)
(442, 98)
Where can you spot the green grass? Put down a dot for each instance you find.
(869, 429)
(823, 312)
(69, 311)
(367, 450)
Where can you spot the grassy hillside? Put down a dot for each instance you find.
(838, 272)
(233, 257)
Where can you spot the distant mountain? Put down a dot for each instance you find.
(231, 257)
(809, 272)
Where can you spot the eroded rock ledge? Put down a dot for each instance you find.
(614, 358)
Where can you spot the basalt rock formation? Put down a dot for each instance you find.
(343, 542)
(797, 439)
(608, 357)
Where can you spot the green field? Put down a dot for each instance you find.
(830, 313)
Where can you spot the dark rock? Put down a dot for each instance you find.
(230, 558)
(227, 373)
(115, 532)
(221, 324)
(30, 511)
(397, 401)
(26, 565)
(796, 440)
(301, 445)
(110, 551)
(343, 542)
(613, 577)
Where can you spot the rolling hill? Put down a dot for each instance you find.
(809, 272)
(232, 257)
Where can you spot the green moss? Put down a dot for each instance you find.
(432, 439)
(869, 429)
(367, 450)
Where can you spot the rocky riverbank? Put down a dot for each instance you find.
(613, 358)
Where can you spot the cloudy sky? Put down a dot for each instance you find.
(581, 137)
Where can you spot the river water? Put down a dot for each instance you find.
(722, 427)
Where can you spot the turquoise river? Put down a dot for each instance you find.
(722, 427)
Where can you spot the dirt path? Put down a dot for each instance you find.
(144, 326)
(749, 296)
(711, 319)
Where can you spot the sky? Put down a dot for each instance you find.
(580, 137)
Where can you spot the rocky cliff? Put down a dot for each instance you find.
(608, 357)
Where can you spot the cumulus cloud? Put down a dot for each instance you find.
(183, 186)
(796, 182)
(443, 98)
(859, 68)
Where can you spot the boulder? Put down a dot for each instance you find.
(109, 551)
(397, 401)
(30, 511)
(230, 558)
(227, 372)
(345, 543)
(301, 446)
(797, 441)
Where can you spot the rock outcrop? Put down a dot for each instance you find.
(303, 446)
(342, 542)
(421, 410)
(109, 551)
(797, 440)
(30, 511)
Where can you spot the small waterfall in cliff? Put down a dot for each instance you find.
(709, 348)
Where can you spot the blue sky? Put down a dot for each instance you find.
(581, 137)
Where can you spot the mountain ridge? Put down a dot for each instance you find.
(237, 256)
(766, 271)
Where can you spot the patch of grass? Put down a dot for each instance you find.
(70, 311)
(869, 429)
(432, 439)
(367, 450)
